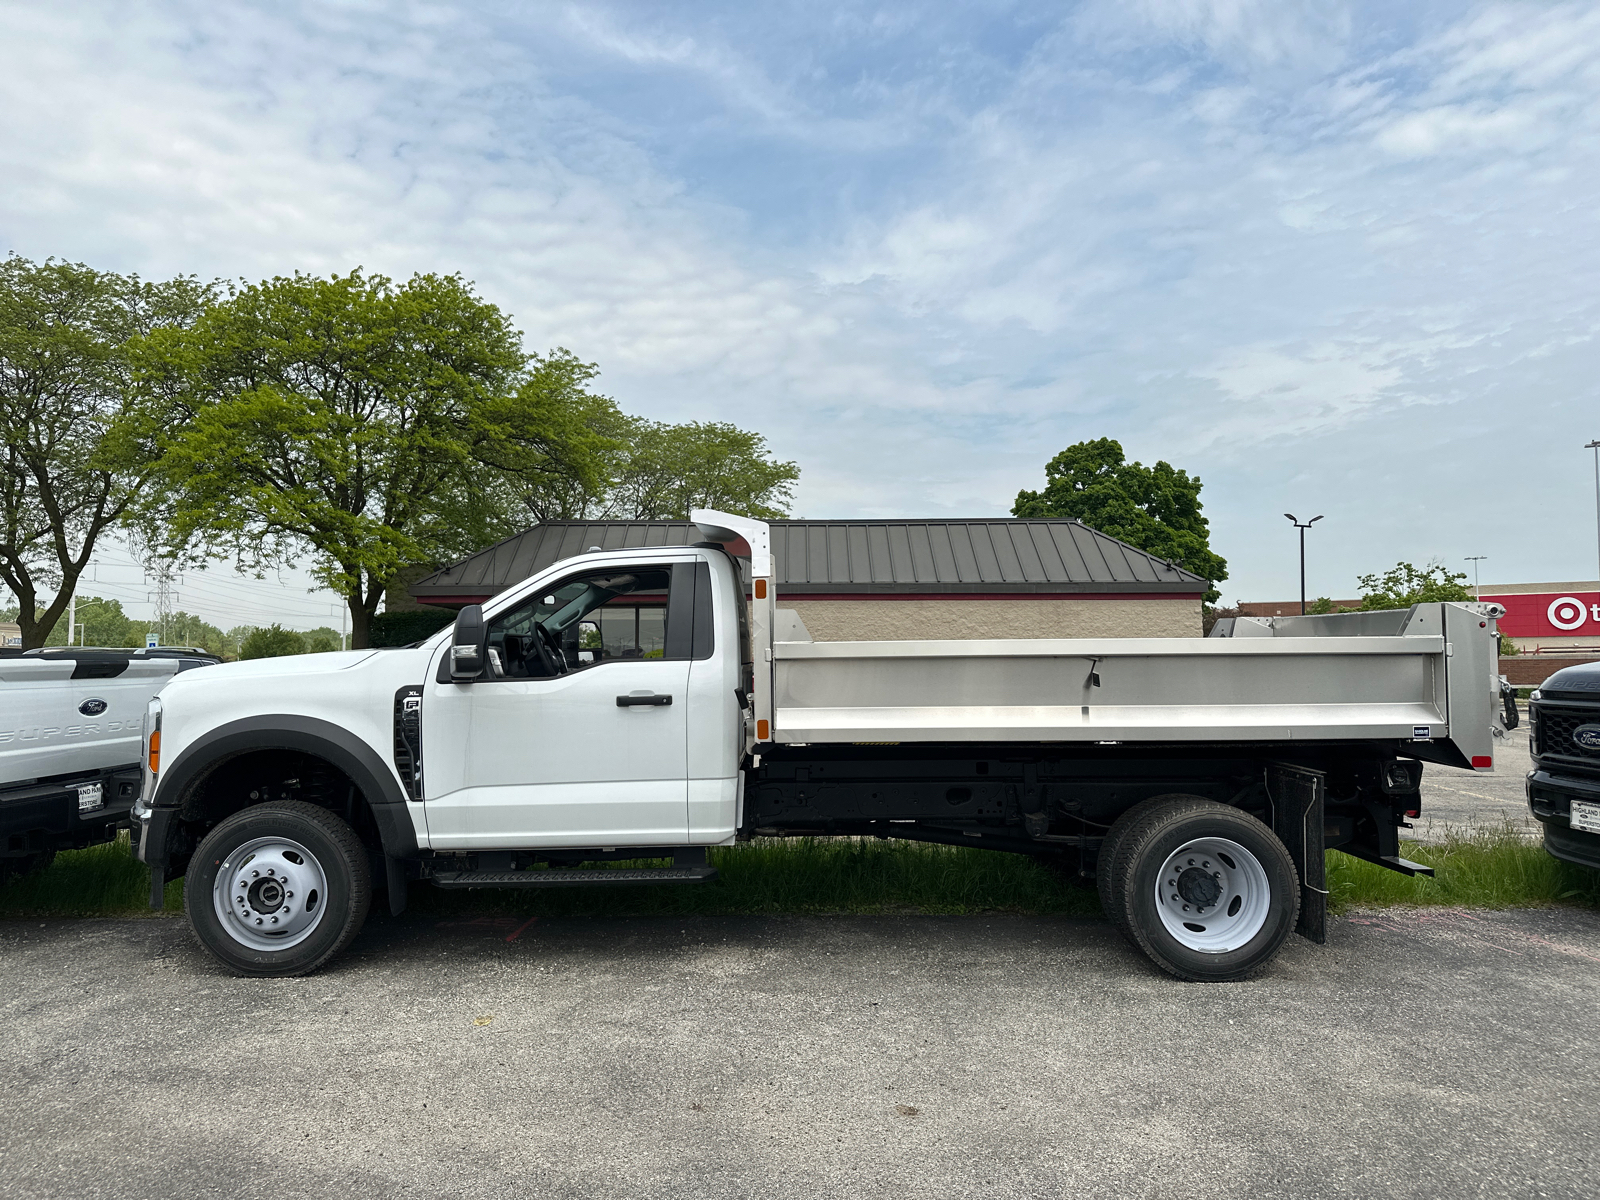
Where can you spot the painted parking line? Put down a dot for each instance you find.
(490, 925)
(517, 932)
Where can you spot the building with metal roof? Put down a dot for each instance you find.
(875, 580)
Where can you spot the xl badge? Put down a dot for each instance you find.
(1587, 736)
(94, 707)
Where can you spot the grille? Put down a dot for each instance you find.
(1554, 728)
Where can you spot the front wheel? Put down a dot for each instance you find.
(1208, 892)
(278, 889)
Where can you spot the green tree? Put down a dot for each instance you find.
(632, 469)
(321, 640)
(186, 629)
(665, 471)
(235, 638)
(272, 642)
(104, 624)
(569, 440)
(362, 423)
(1156, 509)
(1404, 585)
(76, 438)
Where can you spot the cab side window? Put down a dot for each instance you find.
(586, 621)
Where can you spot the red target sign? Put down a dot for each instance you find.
(1550, 614)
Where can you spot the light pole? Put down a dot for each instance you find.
(1475, 559)
(1595, 446)
(1302, 528)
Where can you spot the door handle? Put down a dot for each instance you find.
(652, 701)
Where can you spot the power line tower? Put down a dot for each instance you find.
(165, 597)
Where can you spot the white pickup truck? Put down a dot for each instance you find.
(70, 721)
(651, 703)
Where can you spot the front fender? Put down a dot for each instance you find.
(372, 776)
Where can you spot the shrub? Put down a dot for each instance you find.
(403, 628)
(272, 642)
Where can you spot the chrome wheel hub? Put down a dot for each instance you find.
(1212, 895)
(270, 894)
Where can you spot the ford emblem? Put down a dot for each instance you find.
(94, 707)
(1587, 736)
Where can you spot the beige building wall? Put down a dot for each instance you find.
(915, 620)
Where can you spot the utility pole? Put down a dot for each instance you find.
(1302, 528)
(1475, 559)
(72, 617)
(1595, 446)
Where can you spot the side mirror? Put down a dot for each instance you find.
(467, 646)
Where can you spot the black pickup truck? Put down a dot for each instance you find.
(1564, 786)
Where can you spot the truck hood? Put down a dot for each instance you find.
(289, 664)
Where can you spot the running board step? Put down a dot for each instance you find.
(543, 879)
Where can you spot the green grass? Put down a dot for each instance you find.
(100, 881)
(1494, 869)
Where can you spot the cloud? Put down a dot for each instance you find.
(920, 247)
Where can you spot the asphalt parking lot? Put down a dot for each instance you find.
(1417, 1054)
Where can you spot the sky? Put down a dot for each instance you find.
(1334, 258)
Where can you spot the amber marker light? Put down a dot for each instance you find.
(763, 730)
(155, 752)
(761, 589)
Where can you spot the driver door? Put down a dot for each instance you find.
(576, 734)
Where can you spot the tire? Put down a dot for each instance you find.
(278, 889)
(1228, 891)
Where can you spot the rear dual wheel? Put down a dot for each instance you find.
(1208, 892)
(278, 889)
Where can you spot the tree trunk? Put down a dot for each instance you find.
(36, 626)
(360, 621)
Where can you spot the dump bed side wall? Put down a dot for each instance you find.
(1339, 683)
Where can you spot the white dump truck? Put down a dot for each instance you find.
(654, 702)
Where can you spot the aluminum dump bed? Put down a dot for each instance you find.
(1425, 675)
